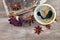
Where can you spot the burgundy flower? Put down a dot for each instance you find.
(14, 21)
(21, 20)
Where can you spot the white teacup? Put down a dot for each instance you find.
(44, 7)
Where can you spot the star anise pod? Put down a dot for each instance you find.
(48, 26)
(15, 6)
(38, 30)
(29, 20)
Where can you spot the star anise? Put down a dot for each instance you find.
(47, 26)
(38, 30)
(15, 6)
(29, 20)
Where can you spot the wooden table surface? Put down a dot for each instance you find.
(10, 32)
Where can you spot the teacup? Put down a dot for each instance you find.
(45, 14)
